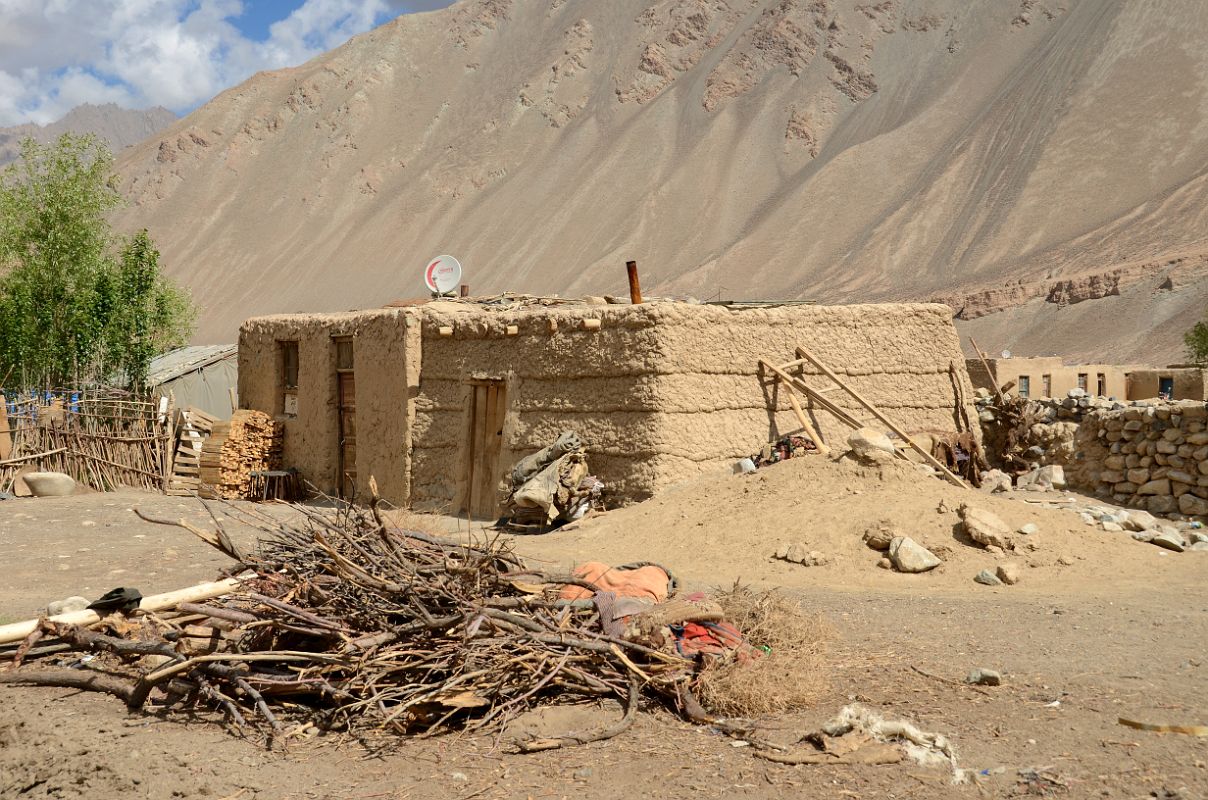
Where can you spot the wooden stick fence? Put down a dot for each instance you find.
(102, 438)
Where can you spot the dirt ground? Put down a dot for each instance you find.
(1118, 631)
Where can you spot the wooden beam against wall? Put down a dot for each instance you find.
(952, 477)
(989, 372)
(782, 379)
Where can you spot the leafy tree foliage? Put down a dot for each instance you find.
(77, 303)
(1196, 340)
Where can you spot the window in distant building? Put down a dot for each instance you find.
(1025, 386)
(1047, 385)
(1101, 384)
(1082, 381)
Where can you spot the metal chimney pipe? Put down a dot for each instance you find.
(635, 288)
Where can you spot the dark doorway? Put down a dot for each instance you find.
(1166, 388)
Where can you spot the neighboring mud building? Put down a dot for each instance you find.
(1049, 376)
(437, 401)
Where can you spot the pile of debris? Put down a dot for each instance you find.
(342, 623)
(1022, 434)
(249, 442)
(552, 487)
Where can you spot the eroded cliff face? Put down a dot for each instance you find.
(990, 152)
(1174, 271)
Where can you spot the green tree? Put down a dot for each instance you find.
(77, 303)
(1196, 340)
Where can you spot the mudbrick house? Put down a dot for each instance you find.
(1049, 376)
(438, 400)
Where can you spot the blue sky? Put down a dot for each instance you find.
(57, 54)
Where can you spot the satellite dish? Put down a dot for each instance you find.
(1005, 353)
(443, 274)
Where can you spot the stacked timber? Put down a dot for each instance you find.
(250, 441)
(192, 429)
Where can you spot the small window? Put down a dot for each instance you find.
(343, 353)
(1101, 385)
(1082, 383)
(1047, 385)
(1025, 386)
(289, 364)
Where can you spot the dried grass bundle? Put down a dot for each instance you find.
(790, 673)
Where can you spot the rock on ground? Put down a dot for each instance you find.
(1171, 540)
(987, 578)
(984, 677)
(908, 555)
(1009, 573)
(799, 554)
(996, 480)
(66, 606)
(871, 443)
(50, 484)
(986, 528)
(880, 537)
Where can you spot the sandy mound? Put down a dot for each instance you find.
(717, 530)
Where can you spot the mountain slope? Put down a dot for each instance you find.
(118, 126)
(836, 149)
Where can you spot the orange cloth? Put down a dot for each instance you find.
(648, 583)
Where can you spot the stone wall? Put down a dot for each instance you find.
(1148, 455)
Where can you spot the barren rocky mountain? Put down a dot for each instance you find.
(120, 127)
(1032, 155)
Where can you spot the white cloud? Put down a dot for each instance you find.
(56, 54)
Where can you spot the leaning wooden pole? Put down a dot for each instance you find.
(17, 631)
(952, 477)
(989, 372)
(786, 381)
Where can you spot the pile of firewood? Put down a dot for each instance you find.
(250, 441)
(343, 623)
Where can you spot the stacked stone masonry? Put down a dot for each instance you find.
(1150, 456)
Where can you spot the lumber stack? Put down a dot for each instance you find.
(248, 442)
(194, 427)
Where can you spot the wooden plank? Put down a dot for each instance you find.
(785, 381)
(471, 455)
(17, 631)
(818, 397)
(486, 494)
(876, 412)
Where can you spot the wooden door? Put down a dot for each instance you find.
(487, 412)
(348, 433)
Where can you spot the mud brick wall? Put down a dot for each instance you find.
(386, 368)
(1152, 456)
(660, 392)
(663, 392)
